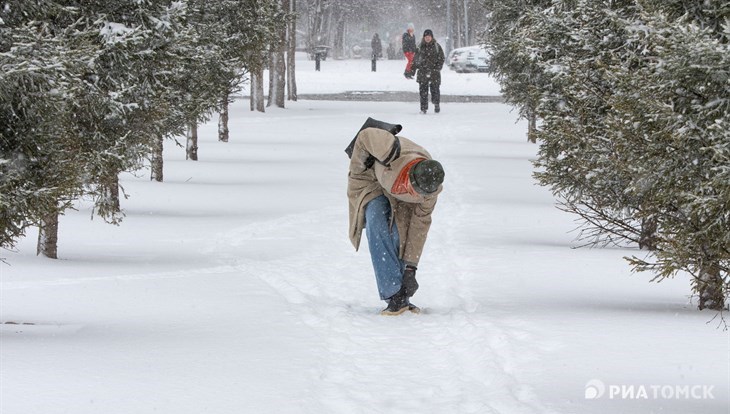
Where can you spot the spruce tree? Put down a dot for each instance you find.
(40, 163)
(677, 99)
(634, 136)
(578, 45)
(89, 97)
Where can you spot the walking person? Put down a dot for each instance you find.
(408, 44)
(377, 48)
(429, 60)
(393, 184)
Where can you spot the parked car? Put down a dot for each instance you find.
(468, 59)
(454, 56)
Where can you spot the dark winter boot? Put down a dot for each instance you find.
(436, 108)
(397, 304)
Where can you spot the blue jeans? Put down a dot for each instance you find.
(384, 244)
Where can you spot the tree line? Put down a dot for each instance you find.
(629, 101)
(337, 23)
(92, 88)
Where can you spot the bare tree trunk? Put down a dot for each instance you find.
(711, 287)
(291, 79)
(48, 236)
(281, 80)
(531, 125)
(110, 190)
(647, 238)
(223, 120)
(156, 160)
(339, 44)
(108, 205)
(257, 90)
(458, 22)
(272, 76)
(113, 192)
(277, 79)
(277, 66)
(467, 37)
(191, 149)
(277, 71)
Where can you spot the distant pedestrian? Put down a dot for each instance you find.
(377, 47)
(409, 50)
(429, 60)
(390, 51)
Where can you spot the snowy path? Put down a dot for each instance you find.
(456, 357)
(372, 363)
(232, 287)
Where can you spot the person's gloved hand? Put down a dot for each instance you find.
(410, 286)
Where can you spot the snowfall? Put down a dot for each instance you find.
(232, 286)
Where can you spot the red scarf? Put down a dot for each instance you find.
(402, 184)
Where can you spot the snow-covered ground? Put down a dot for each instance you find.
(355, 75)
(232, 287)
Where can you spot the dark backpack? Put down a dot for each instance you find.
(374, 123)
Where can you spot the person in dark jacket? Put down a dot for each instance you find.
(429, 60)
(377, 47)
(409, 50)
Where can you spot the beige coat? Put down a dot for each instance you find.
(412, 214)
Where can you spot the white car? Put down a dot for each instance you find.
(468, 59)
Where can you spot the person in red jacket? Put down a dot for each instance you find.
(409, 50)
